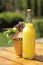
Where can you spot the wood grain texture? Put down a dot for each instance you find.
(8, 56)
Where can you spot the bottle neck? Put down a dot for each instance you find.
(29, 18)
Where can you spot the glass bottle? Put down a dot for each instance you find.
(28, 45)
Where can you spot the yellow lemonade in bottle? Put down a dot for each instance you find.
(29, 41)
(28, 45)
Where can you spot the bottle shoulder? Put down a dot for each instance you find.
(29, 27)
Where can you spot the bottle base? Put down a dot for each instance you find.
(29, 58)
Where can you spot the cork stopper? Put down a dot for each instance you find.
(29, 11)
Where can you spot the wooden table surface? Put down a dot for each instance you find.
(8, 56)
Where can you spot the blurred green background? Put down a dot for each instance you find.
(13, 11)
